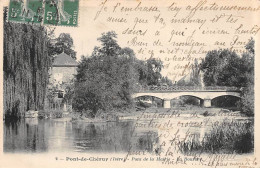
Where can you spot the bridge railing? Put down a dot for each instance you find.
(185, 88)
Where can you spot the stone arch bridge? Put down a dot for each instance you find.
(205, 94)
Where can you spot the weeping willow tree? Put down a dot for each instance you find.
(26, 65)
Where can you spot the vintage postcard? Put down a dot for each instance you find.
(130, 83)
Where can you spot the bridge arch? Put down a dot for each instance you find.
(226, 101)
(188, 95)
(150, 100)
(187, 100)
(137, 95)
(232, 94)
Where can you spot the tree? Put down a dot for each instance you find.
(247, 101)
(223, 68)
(64, 43)
(149, 71)
(26, 65)
(226, 68)
(69, 92)
(154, 67)
(105, 80)
(195, 74)
(194, 78)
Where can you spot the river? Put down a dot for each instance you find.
(47, 135)
(33, 135)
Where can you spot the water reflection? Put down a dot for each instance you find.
(39, 135)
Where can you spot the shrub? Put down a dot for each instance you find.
(247, 102)
(226, 137)
(229, 137)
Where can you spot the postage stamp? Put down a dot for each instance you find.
(25, 11)
(61, 12)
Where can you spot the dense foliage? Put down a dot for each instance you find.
(225, 137)
(26, 64)
(248, 95)
(63, 43)
(226, 68)
(106, 79)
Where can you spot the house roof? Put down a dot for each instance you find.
(64, 60)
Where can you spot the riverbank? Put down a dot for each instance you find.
(133, 114)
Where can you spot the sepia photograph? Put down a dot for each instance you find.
(134, 83)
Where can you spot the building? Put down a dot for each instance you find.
(63, 69)
(62, 73)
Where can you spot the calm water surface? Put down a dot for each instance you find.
(45, 135)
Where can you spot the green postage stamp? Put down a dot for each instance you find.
(52, 12)
(61, 12)
(25, 11)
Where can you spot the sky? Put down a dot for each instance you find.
(88, 30)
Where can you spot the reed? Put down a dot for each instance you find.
(227, 137)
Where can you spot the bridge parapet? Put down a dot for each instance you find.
(186, 88)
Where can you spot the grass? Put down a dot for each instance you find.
(227, 137)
